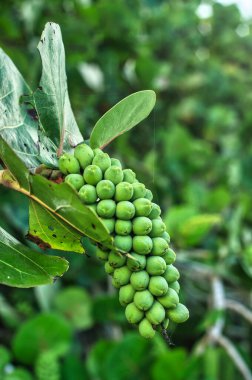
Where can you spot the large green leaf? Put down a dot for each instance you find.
(122, 117)
(18, 122)
(24, 268)
(51, 99)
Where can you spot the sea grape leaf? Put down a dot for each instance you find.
(22, 267)
(47, 229)
(18, 121)
(122, 117)
(51, 99)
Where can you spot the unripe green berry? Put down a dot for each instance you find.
(143, 300)
(76, 181)
(142, 244)
(158, 227)
(101, 255)
(133, 314)
(146, 330)
(170, 299)
(129, 175)
(178, 315)
(171, 274)
(87, 194)
(139, 280)
(160, 246)
(115, 283)
(84, 155)
(169, 256)
(123, 227)
(68, 164)
(106, 208)
(102, 160)
(92, 174)
(155, 265)
(143, 206)
(158, 285)
(105, 189)
(155, 212)
(139, 190)
(108, 268)
(109, 224)
(123, 191)
(116, 162)
(136, 262)
(165, 323)
(148, 195)
(122, 275)
(174, 285)
(125, 210)
(123, 243)
(114, 174)
(93, 207)
(97, 151)
(141, 225)
(126, 294)
(166, 236)
(156, 314)
(116, 260)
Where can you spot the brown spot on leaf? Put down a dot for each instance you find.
(40, 243)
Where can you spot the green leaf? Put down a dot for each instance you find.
(44, 226)
(18, 123)
(24, 268)
(122, 117)
(51, 99)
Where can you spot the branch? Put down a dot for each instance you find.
(240, 309)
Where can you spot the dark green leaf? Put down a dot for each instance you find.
(122, 117)
(24, 268)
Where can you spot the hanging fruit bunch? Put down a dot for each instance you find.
(141, 262)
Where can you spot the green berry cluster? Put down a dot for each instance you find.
(141, 265)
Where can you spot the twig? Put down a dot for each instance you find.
(240, 309)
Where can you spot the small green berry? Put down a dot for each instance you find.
(108, 268)
(143, 206)
(102, 255)
(116, 162)
(136, 262)
(158, 228)
(102, 160)
(76, 181)
(92, 174)
(126, 294)
(139, 280)
(87, 194)
(158, 286)
(114, 174)
(170, 299)
(155, 265)
(68, 164)
(174, 285)
(109, 224)
(105, 189)
(166, 236)
(123, 191)
(146, 330)
(125, 210)
(142, 244)
(178, 315)
(129, 175)
(156, 314)
(160, 246)
(155, 212)
(122, 275)
(133, 314)
(116, 260)
(106, 208)
(84, 155)
(141, 225)
(143, 300)
(148, 195)
(171, 274)
(169, 256)
(123, 243)
(123, 227)
(139, 190)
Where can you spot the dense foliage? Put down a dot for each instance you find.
(194, 153)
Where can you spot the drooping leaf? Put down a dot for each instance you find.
(122, 117)
(44, 226)
(18, 122)
(22, 267)
(51, 99)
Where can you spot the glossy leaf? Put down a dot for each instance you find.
(22, 267)
(122, 117)
(51, 99)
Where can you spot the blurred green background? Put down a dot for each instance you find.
(194, 152)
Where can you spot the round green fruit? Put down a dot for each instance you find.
(101, 255)
(105, 189)
(97, 151)
(92, 174)
(160, 246)
(174, 285)
(133, 314)
(106, 208)
(108, 268)
(102, 160)
(114, 174)
(148, 195)
(170, 299)
(165, 323)
(166, 236)
(158, 227)
(116, 260)
(126, 294)
(142, 244)
(84, 155)
(139, 280)
(178, 315)
(156, 314)
(76, 181)
(158, 286)
(169, 256)
(136, 262)
(155, 211)
(116, 162)
(146, 330)
(141, 225)
(123, 191)
(129, 175)
(155, 265)
(123, 227)
(109, 224)
(139, 190)
(87, 194)
(171, 274)
(68, 164)
(93, 207)
(115, 283)
(122, 275)
(123, 243)
(143, 206)
(125, 210)
(143, 300)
